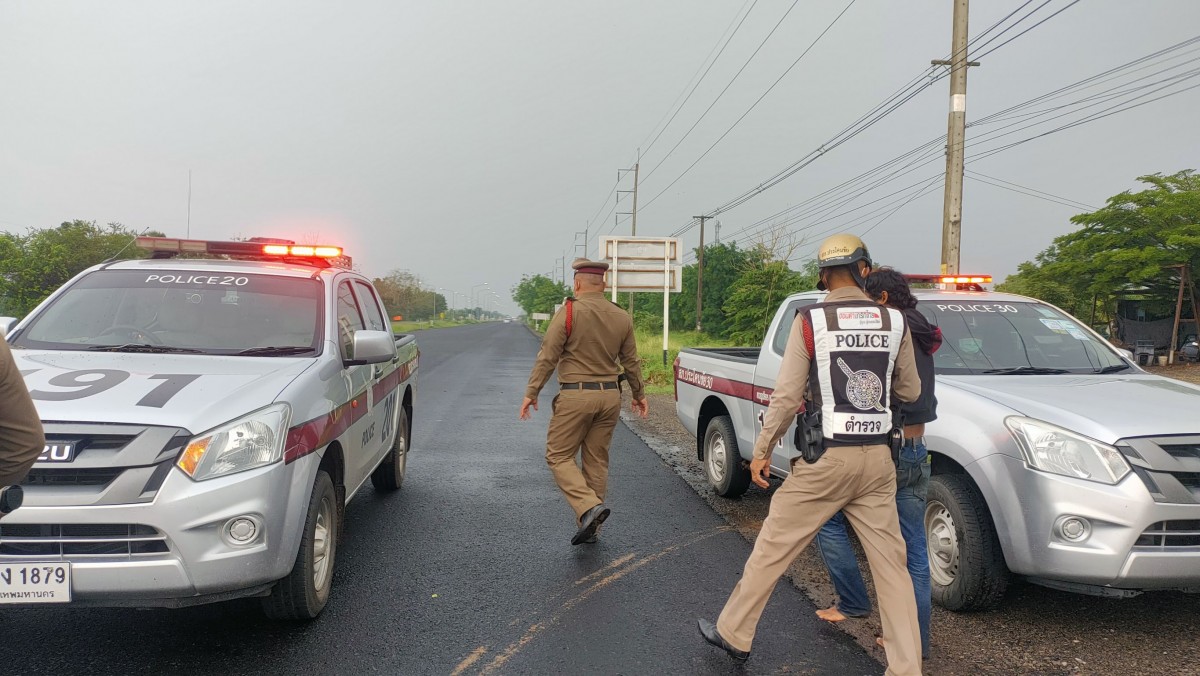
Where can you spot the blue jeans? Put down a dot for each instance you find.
(912, 483)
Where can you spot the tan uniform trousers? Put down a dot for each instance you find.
(582, 419)
(860, 481)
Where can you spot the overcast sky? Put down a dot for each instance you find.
(468, 142)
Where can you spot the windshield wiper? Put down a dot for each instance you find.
(1025, 370)
(1113, 369)
(276, 350)
(144, 347)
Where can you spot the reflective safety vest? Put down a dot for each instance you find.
(853, 347)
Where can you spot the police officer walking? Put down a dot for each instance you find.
(587, 340)
(21, 437)
(855, 359)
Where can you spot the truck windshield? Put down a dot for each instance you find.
(981, 337)
(181, 311)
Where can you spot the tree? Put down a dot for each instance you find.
(402, 295)
(1126, 245)
(34, 265)
(539, 293)
(756, 294)
(722, 265)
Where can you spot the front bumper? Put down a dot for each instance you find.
(1119, 516)
(190, 558)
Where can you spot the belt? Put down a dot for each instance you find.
(587, 386)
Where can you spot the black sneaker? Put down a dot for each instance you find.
(589, 523)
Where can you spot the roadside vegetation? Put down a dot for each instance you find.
(660, 378)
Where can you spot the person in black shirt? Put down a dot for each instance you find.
(888, 287)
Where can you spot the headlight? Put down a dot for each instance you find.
(246, 443)
(1053, 449)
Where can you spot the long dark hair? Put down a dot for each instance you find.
(893, 282)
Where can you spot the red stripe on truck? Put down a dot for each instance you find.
(733, 388)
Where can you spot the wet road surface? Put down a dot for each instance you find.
(469, 570)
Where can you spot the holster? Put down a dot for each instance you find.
(896, 436)
(809, 440)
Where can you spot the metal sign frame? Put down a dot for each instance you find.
(640, 251)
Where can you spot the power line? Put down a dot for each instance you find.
(1031, 192)
(727, 86)
(706, 70)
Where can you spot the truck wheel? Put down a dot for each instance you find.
(302, 595)
(966, 564)
(722, 460)
(389, 475)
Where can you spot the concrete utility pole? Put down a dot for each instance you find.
(955, 140)
(700, 272)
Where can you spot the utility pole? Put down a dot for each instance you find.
(718, 224)
(955, 140)
(700, 271)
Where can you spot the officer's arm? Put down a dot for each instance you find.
(906, 382)
(21, 438)
(789, 391)
(632, 364)
(548, 356)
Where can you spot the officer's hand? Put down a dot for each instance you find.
(760, 471)
(641, 407)
(525, 414)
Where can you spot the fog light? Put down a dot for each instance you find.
(242, 530)
(1074, 528)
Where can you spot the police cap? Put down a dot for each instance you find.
(583, 266)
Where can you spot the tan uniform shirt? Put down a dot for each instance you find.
(21, 438)
(601, 338)
(792, 382)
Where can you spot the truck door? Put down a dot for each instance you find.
(770, 358)
(356, 440)
(385, 392)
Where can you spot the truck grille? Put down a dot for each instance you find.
(72, 477)
(1168, 534)
(1168, 466)
(113, 464)
(71, 541)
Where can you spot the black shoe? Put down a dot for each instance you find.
(589, 522)
(709, 631)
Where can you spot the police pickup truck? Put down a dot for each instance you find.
(207, 419)
(1054, 457)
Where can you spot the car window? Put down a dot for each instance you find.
(197, 311)
(370, 306)
(983, 335)
(349, 319)
(779, 342)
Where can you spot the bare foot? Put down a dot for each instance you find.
(831, 614)
(879, 642)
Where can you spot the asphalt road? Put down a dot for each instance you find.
(469, 568)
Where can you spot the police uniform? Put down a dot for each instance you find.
(861, 358)
(588, 354)
(21, 438)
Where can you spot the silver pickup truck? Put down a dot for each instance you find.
(1054, 457)
(207, 420)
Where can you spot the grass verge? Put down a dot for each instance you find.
(659, 377)
(409, 327)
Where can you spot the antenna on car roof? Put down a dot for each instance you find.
(115, 257)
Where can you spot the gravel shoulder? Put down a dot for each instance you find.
(1036, 630)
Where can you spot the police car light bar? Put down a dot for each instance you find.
(950, 279)
(257, 249)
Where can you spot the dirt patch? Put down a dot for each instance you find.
(1036, 630)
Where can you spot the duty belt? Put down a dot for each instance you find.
(587, 386)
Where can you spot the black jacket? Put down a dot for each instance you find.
(926, 338)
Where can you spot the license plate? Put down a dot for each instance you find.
(59, 451)
(35, 582)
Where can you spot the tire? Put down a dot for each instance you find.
(302, 595)
(966, 564)
(722, 459)
(389, 475)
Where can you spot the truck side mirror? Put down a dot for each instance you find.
(6, 324)
(1127, 354)
(372, 347)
